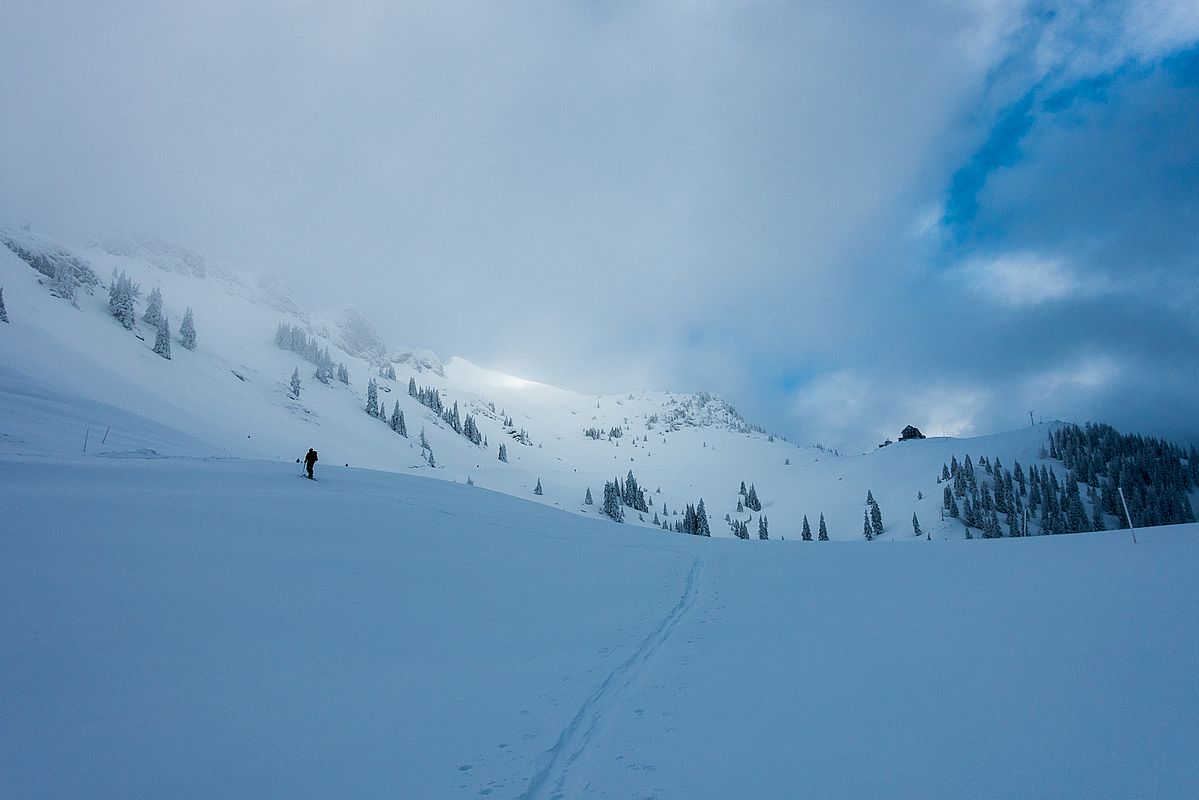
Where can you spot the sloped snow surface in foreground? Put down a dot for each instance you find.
(223, 628)
(183, 615)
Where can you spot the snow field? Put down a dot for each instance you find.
(214, 628)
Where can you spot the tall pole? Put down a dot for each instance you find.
(1127, 516)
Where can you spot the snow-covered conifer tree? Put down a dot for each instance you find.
(806, 535)
(701, 520)
(153, 313)
(372, 398)
(162, 340)
(612, 506)
(343, 374)
(751, 499)
(471, 430)
(876, 519)
(3, 313)
(397, 420)
(64, 282)
(823, 534)
(537, 489)
(915, 525)
(412, 387)
(187, 330)
(968, 512)
(503, 454)
(588, 501)
(324, 367)
(867, 531)
(122, 295)
(295, 383)
(763, 528)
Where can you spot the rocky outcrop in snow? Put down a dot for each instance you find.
(156, 252)
(418, 358)
(347, 328)
(701, 410)
(47, 256)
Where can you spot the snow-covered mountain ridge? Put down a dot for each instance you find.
(231, 396)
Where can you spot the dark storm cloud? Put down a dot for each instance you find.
(1065, 274)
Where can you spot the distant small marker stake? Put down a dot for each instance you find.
(1127, 516)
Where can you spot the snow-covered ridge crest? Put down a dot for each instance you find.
(483, 378)
(160, 253)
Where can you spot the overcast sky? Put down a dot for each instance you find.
(844, 218)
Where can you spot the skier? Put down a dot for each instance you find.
(309, 461)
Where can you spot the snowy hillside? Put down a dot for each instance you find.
(224, 628)
(231, 397)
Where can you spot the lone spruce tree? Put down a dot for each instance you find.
(162, 340)
(397, 421)
(807, 530)
(612, 506)
(295, 383)
(187, 330)
(122, 293)
(372, 398)
(153, 313)
(823, 534)
(876, 518)
(537, 489)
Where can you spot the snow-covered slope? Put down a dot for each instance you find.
(230, 397)
(222, 628)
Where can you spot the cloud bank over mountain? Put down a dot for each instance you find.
(844, 219)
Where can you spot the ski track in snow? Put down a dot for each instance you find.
(548, 783)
